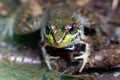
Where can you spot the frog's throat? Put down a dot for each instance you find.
(66, 40)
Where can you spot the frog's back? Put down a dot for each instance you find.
(60, 15)
(85, 17)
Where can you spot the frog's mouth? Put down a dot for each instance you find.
(63, 41)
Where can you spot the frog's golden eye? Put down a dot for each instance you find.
(47, 30)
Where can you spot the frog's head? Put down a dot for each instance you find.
(62, 28)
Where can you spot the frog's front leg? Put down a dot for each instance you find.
(84, 55)
(47, 57)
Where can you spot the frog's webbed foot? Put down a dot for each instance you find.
(47, 57)
(84, 56)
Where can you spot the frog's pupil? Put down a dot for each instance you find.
(71, 29)
(47, 30)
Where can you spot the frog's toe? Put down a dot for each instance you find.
(84, 56)
(47, 60)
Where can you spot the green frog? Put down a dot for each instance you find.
(63, 27)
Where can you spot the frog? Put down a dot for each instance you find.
(62, 27)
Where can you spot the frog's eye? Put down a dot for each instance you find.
(47, 30)
(71, 29)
